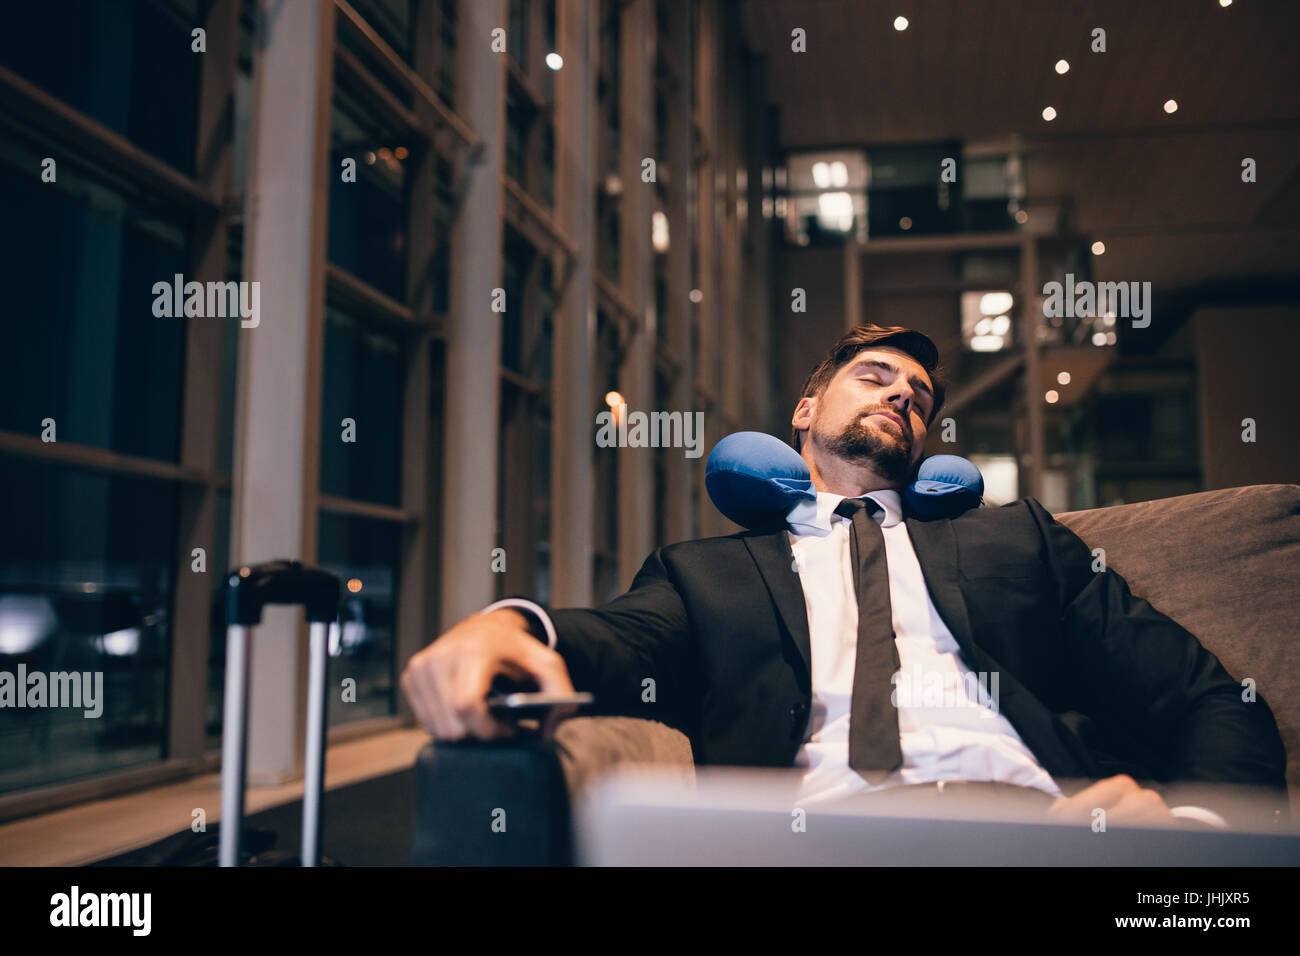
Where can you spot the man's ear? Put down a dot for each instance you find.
(802, 418)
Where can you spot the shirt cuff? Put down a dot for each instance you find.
(533, 608)
(1201, 815)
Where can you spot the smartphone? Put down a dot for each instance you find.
(535, 704)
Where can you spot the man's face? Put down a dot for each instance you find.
(851, 419)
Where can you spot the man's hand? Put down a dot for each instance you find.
(1124, 801)
(447, 683)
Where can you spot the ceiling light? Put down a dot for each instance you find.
(1052, 396)
(554, 61)
(1099, 248)
(1062, 66)
(1062, 378)
(1049, 114)
(659, 231)
(985, 343)
(995, 303)
(900, 24)
(1171, 106)
(835, 211)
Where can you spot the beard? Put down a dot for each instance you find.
(860, 444)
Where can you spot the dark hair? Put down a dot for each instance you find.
(860, 337)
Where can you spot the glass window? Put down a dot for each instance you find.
(441, 260)
(517, 262)
(125, 64)
(392, 20)
(447, 54)
(78, 263)
(518, 117)
(367, 218)
(363, 381)
(363, 552)
(546, 185)
(605, 460)
(87, 565)
(517, 41)
(218, 565)
(542, 502)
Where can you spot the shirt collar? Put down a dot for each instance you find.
(818, 517)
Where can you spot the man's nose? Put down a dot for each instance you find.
(902, 403)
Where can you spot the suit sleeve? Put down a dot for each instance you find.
(641, 636)
(1143, 672)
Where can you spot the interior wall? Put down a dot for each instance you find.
(1246, 359)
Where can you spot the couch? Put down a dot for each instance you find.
(1224, 564)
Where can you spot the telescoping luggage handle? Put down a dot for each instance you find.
(249, 589)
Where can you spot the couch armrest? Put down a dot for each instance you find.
(590, 746)
(507, 802)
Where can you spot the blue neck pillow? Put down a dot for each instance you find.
(755, 478)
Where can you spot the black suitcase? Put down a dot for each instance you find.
(249, 589)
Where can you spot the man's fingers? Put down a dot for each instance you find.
(547, 668)
(1123, 799)
(448, 682)
(429, 689)
(1144, 806)
(419, 706)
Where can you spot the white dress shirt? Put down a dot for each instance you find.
(948, 720)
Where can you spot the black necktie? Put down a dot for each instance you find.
(874, 751)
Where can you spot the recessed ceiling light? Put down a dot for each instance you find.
(1052, 396)
(1171, 106)
(1062, 66)
(554, 61)
(1063, 378)
(900, 24)
(1099, 248)
(905, 223)
(1049, 114)
(995, 303)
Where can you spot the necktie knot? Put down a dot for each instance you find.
(851, 506)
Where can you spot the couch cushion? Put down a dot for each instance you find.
(1226, 566)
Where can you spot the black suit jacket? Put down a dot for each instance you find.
(1095, 680)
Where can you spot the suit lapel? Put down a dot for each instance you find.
(935, 544)
(771, 552)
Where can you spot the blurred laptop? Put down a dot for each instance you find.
(643, 816)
